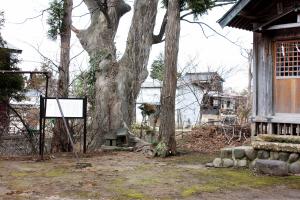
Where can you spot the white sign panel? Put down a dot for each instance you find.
(70, 108)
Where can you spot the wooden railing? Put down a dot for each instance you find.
(277, 128)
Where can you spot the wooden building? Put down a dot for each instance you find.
(276, 44)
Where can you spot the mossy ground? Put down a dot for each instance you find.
(124, 175)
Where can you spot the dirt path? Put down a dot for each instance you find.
(125, 175)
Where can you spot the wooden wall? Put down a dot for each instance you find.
(263, 79)
(263, 75)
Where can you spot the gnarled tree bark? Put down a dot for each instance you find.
(118, 82)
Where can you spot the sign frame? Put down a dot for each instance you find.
(55, 117)
(43, 108)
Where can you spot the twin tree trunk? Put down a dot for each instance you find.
(118, 82)
(167, 144)
(60, 140)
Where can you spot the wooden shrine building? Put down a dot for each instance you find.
(276, 73)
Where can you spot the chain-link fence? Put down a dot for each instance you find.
(19, 128)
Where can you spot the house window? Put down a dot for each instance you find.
(287, 59)
(228, 104)
(215, 102)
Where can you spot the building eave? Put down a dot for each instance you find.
(10, 48)
(233, 12)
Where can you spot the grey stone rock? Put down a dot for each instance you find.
(262, 154)
(283, 156)
(226, 153)
(209, 165)
(252, 165)
(294, 168)
(239, 153)
(241, 163)
(271, 167)
(218, 162)
(251, 153)
(227, 162)
(274, 155)
(293, 157)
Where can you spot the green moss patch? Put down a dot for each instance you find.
(55, 172)
(231, 179)
(134, 195)
(19, 174)
(193, 158)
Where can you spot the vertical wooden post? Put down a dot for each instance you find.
(84, 118)
(270, 128)
(253, 129)
(42, 115)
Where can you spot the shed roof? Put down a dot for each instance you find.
(10, 47)
(202, 76)
(255, 15)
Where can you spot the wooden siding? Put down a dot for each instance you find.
(263, 75)
(287, 95)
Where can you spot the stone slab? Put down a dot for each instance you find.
(271, 167)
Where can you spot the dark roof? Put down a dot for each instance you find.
(232, 12)
(202, 76)
(254, 15)
(10, 47)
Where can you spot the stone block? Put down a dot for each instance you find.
(262, 154)
(228, 162)
(218, 162)
(209, 165)
(271, 167)
(252, 165)
(294, 168)
(279, 138)
(274, 155)
(226, 153)
(239, 152)
(251, 153)
(293, 157)
(283, 156)
(276, 146)
(241, 163)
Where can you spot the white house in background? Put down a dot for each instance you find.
(150, 93)
(29, 111)
(188, 96)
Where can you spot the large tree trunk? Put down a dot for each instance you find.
(167, 145)
(118, 83)
(60, 140)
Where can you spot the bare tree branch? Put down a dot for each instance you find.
(159, 38)
(44, 57)
(219, 34)
(30, 18)
(75, 30)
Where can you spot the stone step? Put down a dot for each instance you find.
(271, 167)
(278, 138)
(276, 146)
(238, 152)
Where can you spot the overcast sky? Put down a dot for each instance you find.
(213, 52)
